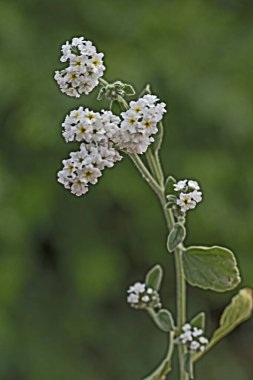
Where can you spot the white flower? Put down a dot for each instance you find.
(193, 338)
(194, 346)
(186, 202)
(180, 185)
(84, 70)
(85, 166)
(90, 127)
(197, 196)
(139, 124)
(189, 194)
(193, 185)
(141, 297)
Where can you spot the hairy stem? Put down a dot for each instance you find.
(180, 278)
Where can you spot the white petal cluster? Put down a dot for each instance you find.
(140, 124)
(84, 125)
(85, 166)
(189, 194)
(193, 338)
(84, 70)
(142, 297)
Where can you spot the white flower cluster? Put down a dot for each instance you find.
(142, 297)
(189, 194)
(85, 166)
(139, 124)
(193, 338)
(90, 127)
(84, 70)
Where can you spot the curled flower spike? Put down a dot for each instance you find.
(90, 127)
(188, 194)
(140, 124)
(193, 338)
(84, 70)
(85, 166)
(142, 297)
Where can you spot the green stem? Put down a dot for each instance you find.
(180, 278)
(146, 174)
(155, 166)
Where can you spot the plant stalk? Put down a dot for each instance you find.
(180, 278)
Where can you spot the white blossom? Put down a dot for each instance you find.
(84, 70)
(193, 338)
(193, 185)
(142, 297)
(84, 125)
(85, 166)
(180, 185)
(188, 194)
(139, 124)
(186, 202)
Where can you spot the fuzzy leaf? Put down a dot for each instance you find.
(116, 107)
(238, 311)
(101, 93)
(128, 89)
(169, 188)
(154, 277)
(161, 372)
(212, 268)
(156, 146)
(176, 236)
(164, 320)
(199, 321)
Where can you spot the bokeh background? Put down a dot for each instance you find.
(66, 262)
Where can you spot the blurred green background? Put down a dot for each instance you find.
(66, 262)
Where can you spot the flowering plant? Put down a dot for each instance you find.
(135, 129)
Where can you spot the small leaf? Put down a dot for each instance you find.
(199, 321)
(161, 372)
(171, 201)
(164, 320)
(169, 188)
(176, 236)
(212, 268)
(116, 107)
(156, 146)
(238, 311)
(145, 91)
(154, 277)
(128, 89)
(101, 93)
(188, 364)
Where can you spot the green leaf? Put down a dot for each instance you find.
(171, 200)
(212, 268)
(158, 138)
(101, 93)
(238, 311)
(161, 372)
(154, 277)
(188, 364)
(169, 188)
(164, 320)
(116, 107)
(176, 236)
(199, 321)
(128, 89)
(145, 91)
